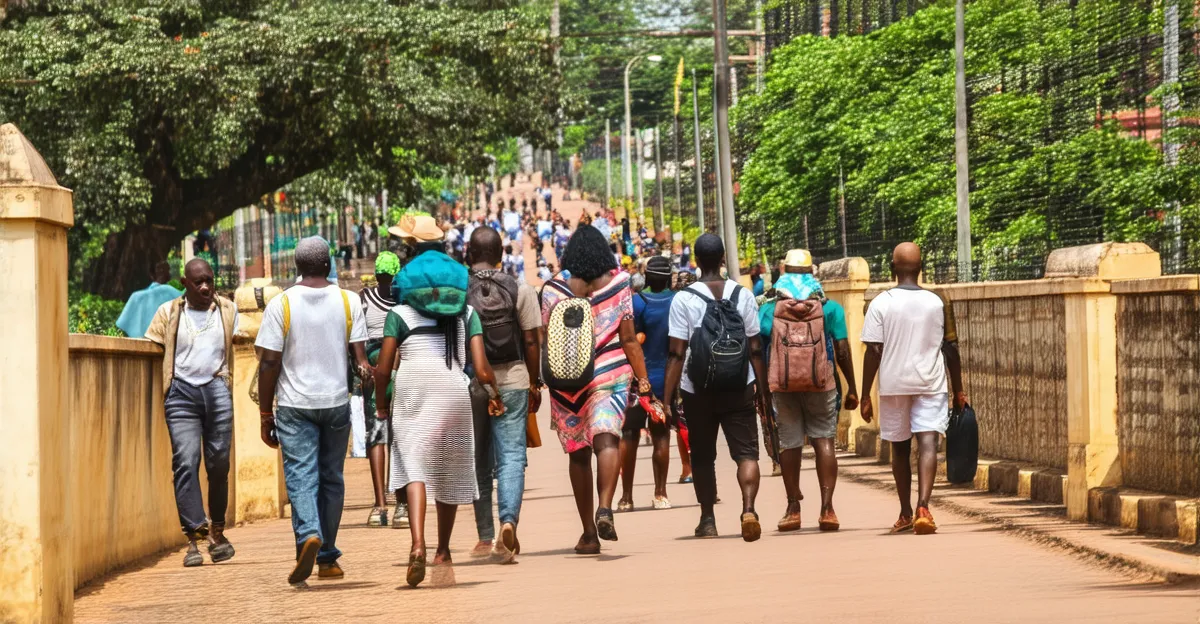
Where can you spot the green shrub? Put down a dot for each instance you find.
(92, 314)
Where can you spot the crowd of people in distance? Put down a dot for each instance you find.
(452, 352)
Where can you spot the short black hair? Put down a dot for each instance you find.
(485, 245)
(587, 255)
(710, 251)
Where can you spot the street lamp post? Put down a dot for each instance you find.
(625, 147)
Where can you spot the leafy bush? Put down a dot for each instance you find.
(92, 314)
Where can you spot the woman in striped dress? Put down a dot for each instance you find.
(590, 420)
(433, 443)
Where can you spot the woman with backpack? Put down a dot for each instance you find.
(432, 331)
(589, 373)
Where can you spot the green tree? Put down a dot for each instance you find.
(165, 117)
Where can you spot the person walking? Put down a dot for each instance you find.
(196, 332)
(377, 302)
(718, 385)
(911, 342)
(305, 340)
(805, 408)
(511, 319)
(431, 332)
(651, 320)
(589, 420)
(142, 305)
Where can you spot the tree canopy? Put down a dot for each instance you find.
(165, 117)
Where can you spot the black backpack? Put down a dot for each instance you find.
(719, 352)
(493, 295)
(962, 446)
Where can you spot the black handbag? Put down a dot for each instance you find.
(962, 446)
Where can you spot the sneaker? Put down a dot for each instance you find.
(482, 549)
(377, 517)
(924, 524)
(400, 516)
(707, 527)
(751, 529)
(329, 571)
(661, 502)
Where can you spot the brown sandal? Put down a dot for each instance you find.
(416, 570)
(903, 523)
(584, 547)
(829, 522)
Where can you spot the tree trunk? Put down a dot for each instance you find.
(128, 259)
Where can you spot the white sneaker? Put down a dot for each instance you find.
(400, 516)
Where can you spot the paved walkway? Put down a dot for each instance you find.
(656, 571)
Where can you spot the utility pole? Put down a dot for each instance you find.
(607, 163)
(699, 161)
(721, 116)
(640, 147)
(1170, 113)
(718, 197)
(961, 157)
(678, 171)
(658, 181)
(760, 47)
(842, 210)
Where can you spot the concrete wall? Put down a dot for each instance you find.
(120, 491)
(1158, 384)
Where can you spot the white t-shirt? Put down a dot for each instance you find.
(315, 358)
(911, 324)
(200, 345)
(687, 312)
(512, 221)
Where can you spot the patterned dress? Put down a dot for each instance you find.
(433, 439)
(600, 407)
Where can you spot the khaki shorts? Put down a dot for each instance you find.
(800, 414)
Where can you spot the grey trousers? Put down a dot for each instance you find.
(200, 417)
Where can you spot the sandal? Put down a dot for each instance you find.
(605, 526)
(587, 547)
(416, 570)
(829, 522)
(624, 505)
(903, 523)
(685, 479)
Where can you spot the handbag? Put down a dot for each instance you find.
(962, 445)
(533, 437)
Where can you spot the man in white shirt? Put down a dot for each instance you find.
(305, 340)
(911, 341)
(196, 332)
(732, 411)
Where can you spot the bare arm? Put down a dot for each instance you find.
(870, 368)
(841, 351)
(675, 356)
(633, 349)
(760, 373)
(954, 363)
(533, 364)
(269, 365)
(485, 374)
(388, 358)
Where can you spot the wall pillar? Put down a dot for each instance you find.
(1093, 458)
(36, 570)
(846, 281)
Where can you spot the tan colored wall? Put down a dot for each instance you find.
(1158, 384)
(121, 495)
(256, 469)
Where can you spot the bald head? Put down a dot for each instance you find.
(906, 261)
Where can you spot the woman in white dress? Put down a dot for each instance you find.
(433, 444)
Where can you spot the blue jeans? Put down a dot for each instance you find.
(200, 417)
(500, 451)
(314, 453)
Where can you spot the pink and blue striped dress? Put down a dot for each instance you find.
(600, 407)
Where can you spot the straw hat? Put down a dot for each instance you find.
(422, 228)
(798, 258)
